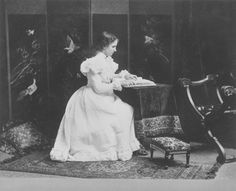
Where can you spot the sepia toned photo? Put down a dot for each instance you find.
(116, 90)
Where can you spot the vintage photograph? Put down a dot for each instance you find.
(118, 89)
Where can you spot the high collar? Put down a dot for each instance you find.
(102, 55)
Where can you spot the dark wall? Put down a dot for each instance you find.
(233, 39)
(204, 38)
(205, 44)
(3, 66)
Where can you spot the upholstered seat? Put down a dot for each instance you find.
(170, 146)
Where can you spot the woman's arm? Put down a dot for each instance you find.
(124, 74)
(101, 87)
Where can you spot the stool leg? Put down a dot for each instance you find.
(166, 160)
(151, 151)
(187, 159)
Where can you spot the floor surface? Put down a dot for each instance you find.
(200, 153)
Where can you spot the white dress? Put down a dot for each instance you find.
(97, 125)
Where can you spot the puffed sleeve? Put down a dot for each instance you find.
(91, 64)
(84, 67)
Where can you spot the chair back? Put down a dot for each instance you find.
(194, 100)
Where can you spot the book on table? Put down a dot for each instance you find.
(138, 82)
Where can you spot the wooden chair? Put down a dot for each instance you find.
(200, 106)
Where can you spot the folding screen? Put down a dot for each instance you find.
(68, 41)
(151, 39)
(27, 44)
(48, 40)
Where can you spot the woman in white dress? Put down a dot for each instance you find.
(97, 125)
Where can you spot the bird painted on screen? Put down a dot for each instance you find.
(71, 45)
(30, 32)
(28, 91)
(148, 40)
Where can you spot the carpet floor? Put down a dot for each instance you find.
(138, 167)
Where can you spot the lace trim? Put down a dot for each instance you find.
(91, 156)
(126, 153)
(112, 154)
(59, 155)
(135, 146)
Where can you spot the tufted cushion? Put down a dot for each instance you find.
(170, 144)
(22, 138)
(7, 147)
(158, 126)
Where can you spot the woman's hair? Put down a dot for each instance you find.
(104, 39)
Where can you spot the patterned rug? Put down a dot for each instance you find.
(136, 168)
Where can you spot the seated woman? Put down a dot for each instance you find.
(97, 125)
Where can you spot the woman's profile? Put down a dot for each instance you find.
(97, 125)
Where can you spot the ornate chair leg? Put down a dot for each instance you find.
(220, 149)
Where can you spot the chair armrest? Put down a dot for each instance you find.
(187, 82)
(230, 111)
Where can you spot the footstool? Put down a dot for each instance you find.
(170, 146)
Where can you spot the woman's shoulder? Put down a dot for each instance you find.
(95, 63)
(94, 59)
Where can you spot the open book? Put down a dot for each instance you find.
(137, 82)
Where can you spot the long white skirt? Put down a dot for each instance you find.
(95, 127)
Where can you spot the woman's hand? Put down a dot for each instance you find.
(130, 77)
(127, 76)
(128, 83)
(116, 85)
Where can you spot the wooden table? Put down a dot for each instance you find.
(149, 101)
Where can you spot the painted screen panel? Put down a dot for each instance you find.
(28, 79)
(150, 47)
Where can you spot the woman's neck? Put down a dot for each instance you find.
(102, 53)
